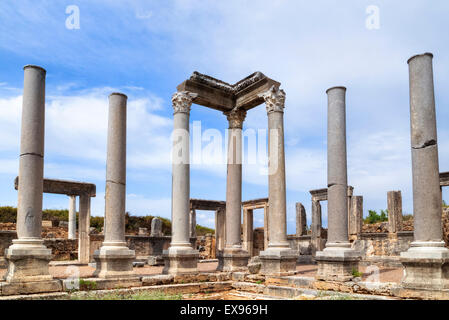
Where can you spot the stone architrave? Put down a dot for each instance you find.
(426, 262)
(234, 256)
(28, 257)
(156, 227)
(114, 259)
(181, 258)
(338, 260)
(278, 258)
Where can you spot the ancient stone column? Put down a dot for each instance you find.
(28, 257)
(266, 226)
(279, 257)
(156, 227)
(72, 217)
(316, 227)
(114, 259)
(394, 202)
(248, 225)
(192, 223)
(234, 257)
(301, 220)
(356, 217)
(220, 230)
(84, 228)
(337, 260)
(427, 261)
(181, 257)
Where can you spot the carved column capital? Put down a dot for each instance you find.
(182, 101)
(236, 118)
(274, 99)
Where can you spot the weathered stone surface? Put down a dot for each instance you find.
(254, 265)
(394, 200)
(156, 227)
(301, 220)
(356, 216)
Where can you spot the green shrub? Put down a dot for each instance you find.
(374, 217)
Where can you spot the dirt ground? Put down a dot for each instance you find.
(383, 274)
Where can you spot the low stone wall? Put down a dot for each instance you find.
(383, 244)
(301, 243)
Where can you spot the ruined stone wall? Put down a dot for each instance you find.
(302, 243)
(62, 249)
(206, 246)
(383, 244)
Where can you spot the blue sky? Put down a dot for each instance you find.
(146, 48)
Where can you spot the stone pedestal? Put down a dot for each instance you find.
(27, 257)
(338, 260)
(278, 261)
(337, 263)
(181, 258)
(426, 263)
(114, 259)
(426, 266)
(278, 258)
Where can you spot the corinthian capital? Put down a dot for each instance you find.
(182, 101)
(236, 118)
(274, 99)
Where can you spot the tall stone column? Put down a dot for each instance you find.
(28, 257)
(337, 260)
(181, 257)
(114, 259)
(426, 263)
(84, 228)
(279, 258)
(234, 256)
(72, 217)
(316, 227)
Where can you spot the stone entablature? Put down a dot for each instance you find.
(67, 187)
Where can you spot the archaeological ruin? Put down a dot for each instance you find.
(404, 257)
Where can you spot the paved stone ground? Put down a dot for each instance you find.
(385, 274)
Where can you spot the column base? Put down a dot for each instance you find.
(278, 261)
(337, 262)
(28, 261)
(114, 261)
(426, 266)
(233, 259)
(180, 260)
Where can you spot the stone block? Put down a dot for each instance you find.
(278, 262)
(114, 262)
(337, 264)
(180, 260)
